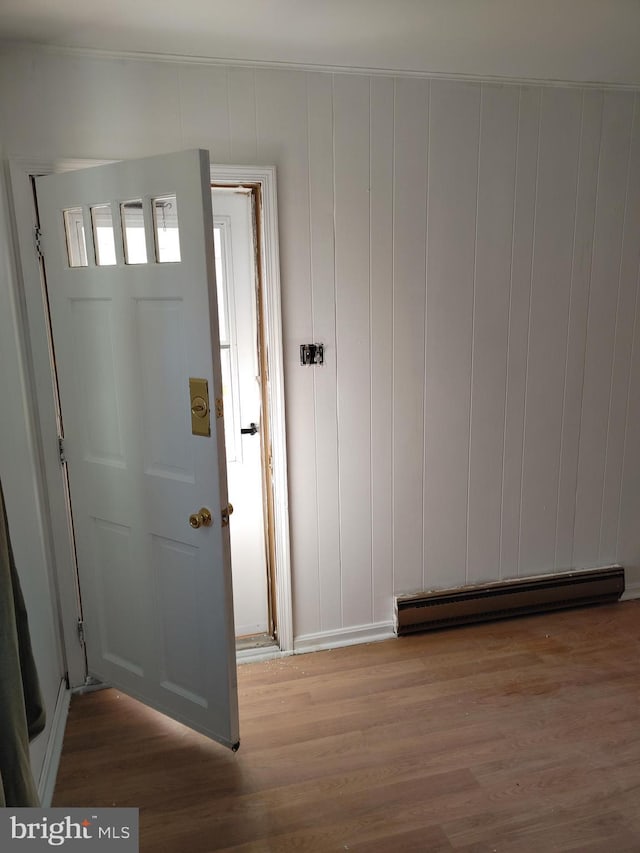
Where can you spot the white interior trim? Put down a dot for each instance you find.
(260, 654)
(149, 56)
(344, 637)
(42, 394)
(632, 584)
(322, 641)
(49, 772)
(265, 176)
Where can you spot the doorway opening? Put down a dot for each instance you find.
(246, 424)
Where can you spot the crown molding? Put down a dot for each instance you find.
(275, 65)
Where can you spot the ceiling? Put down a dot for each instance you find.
(569, 40)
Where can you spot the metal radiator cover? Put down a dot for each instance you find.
(504, 599)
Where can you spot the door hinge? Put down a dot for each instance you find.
(81, 631)
(37, 240)
(61, 453)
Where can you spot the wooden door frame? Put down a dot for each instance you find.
(31, 299)
(262, 180)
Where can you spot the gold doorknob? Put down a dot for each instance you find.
(201, 518)
(226, 512)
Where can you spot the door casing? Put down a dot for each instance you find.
(52, 486)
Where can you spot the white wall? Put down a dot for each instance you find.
(467, 253)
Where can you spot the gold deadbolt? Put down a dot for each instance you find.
(201, 519)
(226, 512)
(199, 407)
(200, 415)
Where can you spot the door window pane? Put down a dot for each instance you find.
(103, 240)
(228, 403)
(74, 231)
(221, 286)
(135, 246)
(228, 346)
(165, 217)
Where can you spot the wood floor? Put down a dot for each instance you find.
(513, 736)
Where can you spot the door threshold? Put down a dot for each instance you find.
(254, 641)
(256, 647)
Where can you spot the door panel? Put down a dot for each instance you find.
(156, 593)
(163, 366)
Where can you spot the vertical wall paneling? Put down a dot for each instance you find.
(320, 111)
(628, 553)
(627, 293)
(242, 106)
(453, 187)
(550, 283)
(591, 125)
(204, 110)
(601, 325)
(381, 345)
(628, 545)
(518, 333)
(496, 192)
(409, 275)
(282, 131)
(469, 256)
(353, 335)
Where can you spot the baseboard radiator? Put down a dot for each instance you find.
(504, 599)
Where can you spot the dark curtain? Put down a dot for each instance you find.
(22, 714)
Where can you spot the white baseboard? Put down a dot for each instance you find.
(631, 592)
(321, 641)
(47, 781)
(260, 654)
(631, 583)
(343, 637)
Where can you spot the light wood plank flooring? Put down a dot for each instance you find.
(514, 736)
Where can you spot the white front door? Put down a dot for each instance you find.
(236, 282)
(129, 264)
